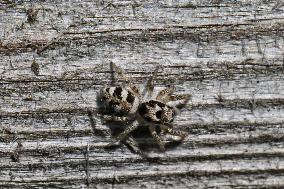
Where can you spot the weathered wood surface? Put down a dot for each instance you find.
(227, 54)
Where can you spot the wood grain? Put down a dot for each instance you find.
(227, 54)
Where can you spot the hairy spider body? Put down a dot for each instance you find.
(128, 101)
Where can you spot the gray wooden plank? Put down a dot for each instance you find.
(227, 54)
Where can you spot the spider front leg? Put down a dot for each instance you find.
(124, 134)
(157, 138)
(185, 98)
(164, 94)
(173, 132)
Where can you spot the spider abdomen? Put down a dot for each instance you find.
(156, 112)
(120, 100)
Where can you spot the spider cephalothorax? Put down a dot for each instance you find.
(128, 101)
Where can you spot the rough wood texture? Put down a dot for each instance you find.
(55, 58)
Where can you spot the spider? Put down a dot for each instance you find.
(130, 104)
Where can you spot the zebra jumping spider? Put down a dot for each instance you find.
(131, 104)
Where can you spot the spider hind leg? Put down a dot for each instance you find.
(124, 134)
(128, 81)
(149, 88)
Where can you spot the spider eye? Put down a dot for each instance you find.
(159, 114)
(107, 90)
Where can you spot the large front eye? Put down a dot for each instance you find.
(159, 114)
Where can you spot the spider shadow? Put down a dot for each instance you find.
(140, 134)
(148, 144)
(144, 142)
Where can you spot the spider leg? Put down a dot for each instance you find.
(120, 72)
(157, 138)
(134, 145)
(124, 134)
(114, 118)
(164, 93)
(150, 83)
(185, 97)
(171, 131)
